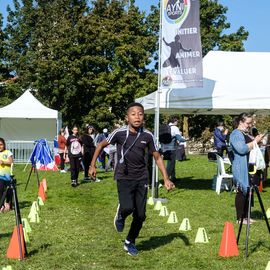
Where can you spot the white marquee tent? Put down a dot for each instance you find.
(233, 82)
(27, 119)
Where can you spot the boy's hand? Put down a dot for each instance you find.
(169, 184)
(92, 172)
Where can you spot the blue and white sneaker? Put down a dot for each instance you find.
(130, 248)
(119, 222)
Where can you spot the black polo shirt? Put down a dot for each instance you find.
(134, 166)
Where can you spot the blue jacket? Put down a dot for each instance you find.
(240, 163)
(219, 139)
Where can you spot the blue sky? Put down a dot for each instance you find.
(253, 15)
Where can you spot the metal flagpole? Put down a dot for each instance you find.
(157, 110)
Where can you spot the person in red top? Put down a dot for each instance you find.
(61, 149)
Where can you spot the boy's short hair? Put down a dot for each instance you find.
(174, 118)
(135, 104)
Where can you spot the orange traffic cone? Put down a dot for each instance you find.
(15, 250)
(228, 246)
(41, 193)
(261, 186)
(44, 183)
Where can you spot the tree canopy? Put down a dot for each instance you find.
(90, 60)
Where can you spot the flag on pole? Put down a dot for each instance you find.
(181, 52)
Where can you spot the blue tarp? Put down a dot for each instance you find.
(41, 155)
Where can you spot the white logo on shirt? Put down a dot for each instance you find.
(143, 142)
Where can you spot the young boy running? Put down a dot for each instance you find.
(131, 172)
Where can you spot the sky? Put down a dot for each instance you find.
(253, 15)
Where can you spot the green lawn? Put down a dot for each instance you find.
(76, 229)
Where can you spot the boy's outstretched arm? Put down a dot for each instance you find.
(92, 169)
(159, 161)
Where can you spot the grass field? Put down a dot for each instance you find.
(76, 229)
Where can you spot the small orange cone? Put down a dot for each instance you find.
(228, 246)
(261, 186)
(44, 183)
(13, 251)
(41, 193)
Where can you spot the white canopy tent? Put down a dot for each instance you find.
(233, 82)
(27, 119)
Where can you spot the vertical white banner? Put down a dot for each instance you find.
(181, 52)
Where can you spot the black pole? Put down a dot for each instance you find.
(28, 178)
(18, 224)
(18, 217)
(248, 218)
(262, 207)
(248, 203)
(33, 168)
(242, 218)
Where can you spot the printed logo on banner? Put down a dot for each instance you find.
(167, 81)
(176, 10)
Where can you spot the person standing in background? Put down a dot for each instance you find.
(88, 149)
(220, 137)
(102, 157)
(62, 149)
(6, 159)
(241, 143)
(171, 147)
(74, 146)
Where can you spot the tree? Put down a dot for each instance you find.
(44, 51)
(7, 90)
(213, 27)
(214, 24)
(90, 61)
(121, 48)
(3, 69)
(89, 64)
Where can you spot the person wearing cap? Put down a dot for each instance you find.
(88, 149)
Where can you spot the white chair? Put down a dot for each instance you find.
(221, 173)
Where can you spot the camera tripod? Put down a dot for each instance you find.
(12, 186)
(247, 206)
(33, 168)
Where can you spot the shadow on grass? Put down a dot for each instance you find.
(35, 251)
(106, 176)
(158, 241)
(257, 214)
(259, 244)
(7, 235)
(190, 183)
(24, 204)
(101, 177)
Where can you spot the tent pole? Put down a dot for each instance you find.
(57, 125)
(157, 110)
